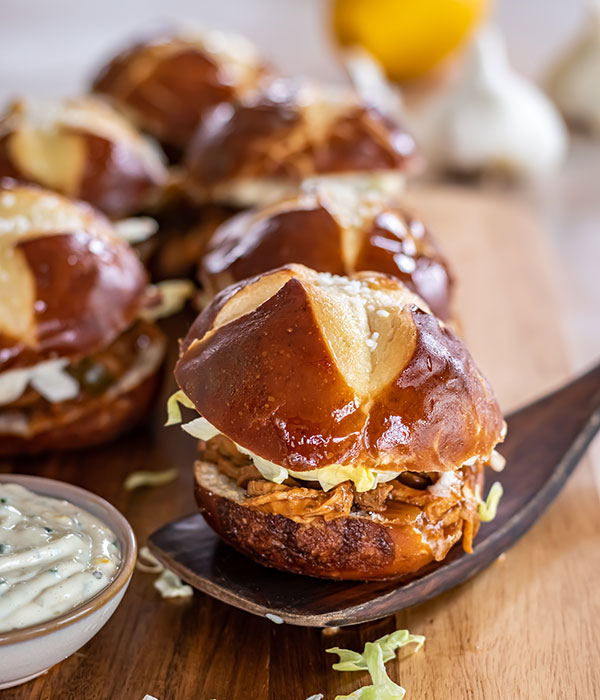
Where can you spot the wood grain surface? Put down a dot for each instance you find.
(527, 627)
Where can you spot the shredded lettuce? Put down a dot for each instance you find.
(383, 687)
(135, 480)
(173, 410)
(489, 508)
(328, 477)
(373, 660)
(173, 297)
(169, 585)
(50, 378)
(147, 562)
(497, 461)
(136, 228)
(200, 428)
(390, 643)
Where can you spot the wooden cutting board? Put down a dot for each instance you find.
(525, 628)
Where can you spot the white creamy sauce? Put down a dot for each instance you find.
(53, 557)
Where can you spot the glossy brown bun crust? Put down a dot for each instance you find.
(331, 230)
(83, 149)
(307, 370)
(357, 547)
(166, 84)
(95, 422)
(289, 132)
(68, 284)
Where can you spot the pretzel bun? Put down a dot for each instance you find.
(166, 84)
(330, 228)
(68, 284)
(83, 149)
(260, 147)
(306, 370)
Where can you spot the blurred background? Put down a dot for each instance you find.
(68, 40)
(53, 48)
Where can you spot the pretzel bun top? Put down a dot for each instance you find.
(330, 228)
(81, 148)
(167, 83)
(307, 370)
(259, 147)
(68, 284)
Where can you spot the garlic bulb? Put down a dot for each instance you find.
(574, 83)
(492, 121)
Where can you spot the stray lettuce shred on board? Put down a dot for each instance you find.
(373, 660)
(489, 508)
(173, 409)
(136, 480)
(169, 585)
(354, 661)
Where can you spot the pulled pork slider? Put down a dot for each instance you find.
(83, 149)
(330, 228)
(78, 362)
(166, 84)
(344, 429)
(259, 148)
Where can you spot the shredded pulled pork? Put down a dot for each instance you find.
(375, 499)
(222, 452)
(300, 504)
(445, 518)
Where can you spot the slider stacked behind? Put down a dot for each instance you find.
(247, 137)
(78, 364)
(331, 228)
(260, 147)
(167, 84)
(344, 430)
(83, 149)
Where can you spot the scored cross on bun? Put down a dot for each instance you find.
(82, 148)
(344, 429)
(78, 363)
(167, 83)
(259, 148)
(330, 227)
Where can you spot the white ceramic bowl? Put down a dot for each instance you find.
(30, 651)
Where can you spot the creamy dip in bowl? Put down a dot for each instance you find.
(66, 558)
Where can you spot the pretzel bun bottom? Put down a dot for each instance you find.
(360, 547)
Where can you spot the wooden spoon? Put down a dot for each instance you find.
(545, 441)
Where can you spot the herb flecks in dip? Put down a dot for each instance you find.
(53, 557)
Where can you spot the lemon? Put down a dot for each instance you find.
(408, 37)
